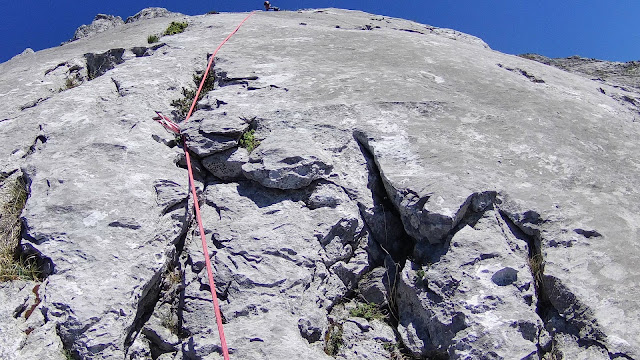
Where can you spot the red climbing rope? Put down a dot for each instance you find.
(204, 78)
(174, 128)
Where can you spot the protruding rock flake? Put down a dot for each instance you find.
(439, 200)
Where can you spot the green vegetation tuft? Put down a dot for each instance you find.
(68, 355)
(369, 311)
(184, 104)
(153, 38)
(13, 265)
(419, 276)
(175, 28)
(249, 141)
(333, 339)
(536, 264)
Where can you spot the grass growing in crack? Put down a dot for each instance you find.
(249, 141)
(553, 353)
(175, 28)
(419, 276)
(333, 339)
(153, 39)
(369, 311)
(67, 354)
(70, 83)
(14, 266)
(170, 323)
(536, 263)
(184, 104)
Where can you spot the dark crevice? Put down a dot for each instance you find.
(524, 227)
(223, 80)
(385, 226)
(98, 64)
(544, 308)
(384, 220)
(26, 253)
(118, 87)
(54, 68)
(67, 346)
(143, 51)
(34, 103)
(580, 325)
(157, 287)
(524, 73)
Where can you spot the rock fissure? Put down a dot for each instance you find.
(166, 287)
(222, 80)
(574, 320)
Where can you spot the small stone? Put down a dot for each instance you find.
(506, 276)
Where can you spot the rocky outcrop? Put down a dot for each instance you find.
(100, 24)
(151, 13)
(625, 74)
(436, 200)
(624, 78)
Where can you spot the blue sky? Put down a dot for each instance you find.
(608, 30)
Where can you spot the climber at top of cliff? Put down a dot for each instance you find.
(267, 7)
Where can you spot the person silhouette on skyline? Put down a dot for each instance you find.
(267, 7)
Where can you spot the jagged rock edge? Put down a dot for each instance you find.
(534, 241)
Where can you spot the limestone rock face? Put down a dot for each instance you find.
(413, 193)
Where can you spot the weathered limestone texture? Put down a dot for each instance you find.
(413, 193)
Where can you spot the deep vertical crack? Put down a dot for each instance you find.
(580, 325)
(152, 293)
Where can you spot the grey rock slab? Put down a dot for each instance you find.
(97, 169)
(42, 343)
(287, 160)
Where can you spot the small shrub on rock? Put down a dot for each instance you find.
(369, 311)
(175, 28)
(249, 141)
(183, 105)
(152, 39)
